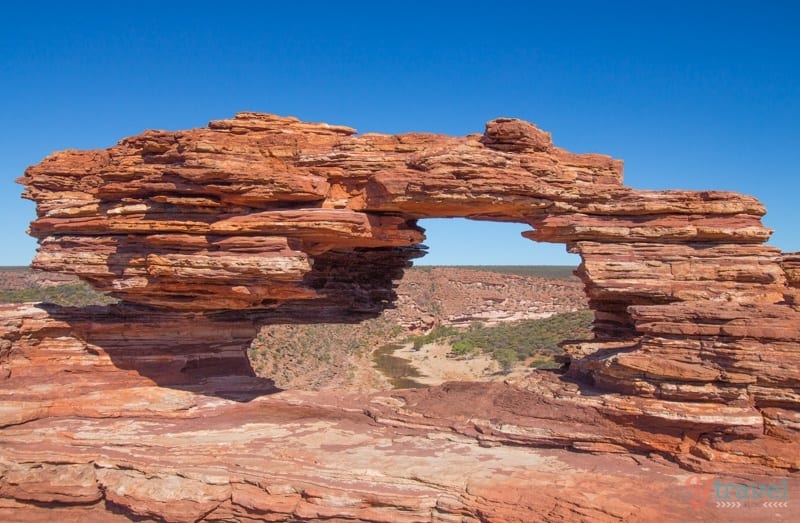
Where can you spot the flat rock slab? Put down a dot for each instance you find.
(309, 456)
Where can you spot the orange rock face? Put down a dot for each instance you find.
(121, 413)
(205, 234)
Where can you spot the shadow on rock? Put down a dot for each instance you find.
(197, 352)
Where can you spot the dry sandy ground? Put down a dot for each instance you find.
(436, 368)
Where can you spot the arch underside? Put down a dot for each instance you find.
(287, 221)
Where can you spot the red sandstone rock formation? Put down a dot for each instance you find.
(256, 219)
(102, 420)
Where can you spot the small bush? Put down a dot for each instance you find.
(462, 348)
(507, 358)
(439, 332)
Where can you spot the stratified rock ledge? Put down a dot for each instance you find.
(149, 409)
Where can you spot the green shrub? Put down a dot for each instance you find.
(544, 362)
(507, 358)
(438, 332)
(462, 348)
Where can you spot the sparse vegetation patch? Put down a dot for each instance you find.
(512, 342)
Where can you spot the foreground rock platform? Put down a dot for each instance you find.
(207, 234)
(97, 426)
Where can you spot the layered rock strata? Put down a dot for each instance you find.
(265, 219)
(311, 222)
(102, 420)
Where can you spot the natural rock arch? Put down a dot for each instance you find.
(149, 408)
(311, 222)
(270, 219)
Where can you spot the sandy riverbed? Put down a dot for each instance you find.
(432, 362)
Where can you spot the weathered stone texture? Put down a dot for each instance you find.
(206, 234)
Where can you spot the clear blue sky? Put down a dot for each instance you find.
(693, 95)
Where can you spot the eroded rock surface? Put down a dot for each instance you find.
(149, 408)
(102, 422)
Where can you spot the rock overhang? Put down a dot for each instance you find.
(300, 222)
(246, 213)
(209, 233)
